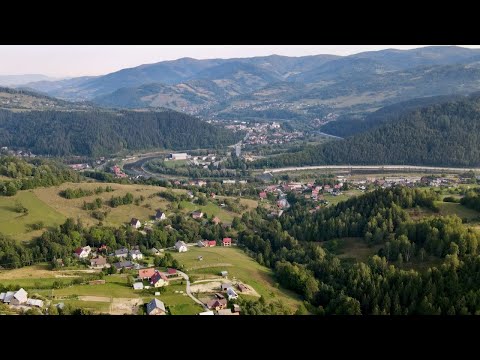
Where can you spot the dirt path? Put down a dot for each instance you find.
(122, 306)
(95, 298)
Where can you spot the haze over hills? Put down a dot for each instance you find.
(272, 87)
(16, 80)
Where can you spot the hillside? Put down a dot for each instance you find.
(445, 134)
(99, 132)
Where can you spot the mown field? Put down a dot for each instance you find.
(240, 267)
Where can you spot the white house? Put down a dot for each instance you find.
(231, 293)
(135, 223)
(20, 297)
(83, 252)
(160, 216)
(181, 246)
(138, 286)
(121, 253)
(136, 255)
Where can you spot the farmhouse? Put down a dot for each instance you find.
(181, 246)
(217, 304)
(156, 307)
(158, 279)
(231, 294)
(227, 242)
(98, 263)
(146, 274)
(135, 223)
(121, 253)
(19, 297)
(197, 215)
(82, 252)
(160, 216)
(136, 254)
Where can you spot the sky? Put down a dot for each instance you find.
(83, 60)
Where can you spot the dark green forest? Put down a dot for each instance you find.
(99, 132)
(446, 134)
(291, 246)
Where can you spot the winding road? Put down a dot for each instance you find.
(189, 292)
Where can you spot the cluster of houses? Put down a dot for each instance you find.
(211, 243)
(154, 278)
(137, 224)
(18, 298)
(118, 172)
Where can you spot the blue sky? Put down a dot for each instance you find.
(80, 60)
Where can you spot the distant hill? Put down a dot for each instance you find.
(15, 80)
(445, 134)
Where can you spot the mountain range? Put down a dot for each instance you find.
(280, 87)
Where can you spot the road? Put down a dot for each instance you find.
(370, 167)
(189, 292)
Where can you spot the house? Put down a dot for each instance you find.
(138, 286)
(7, 297)
(121, 253)
(216, 220)
(171, 272)
(181, 246)
(34, 302)
(236, 308)
(224, 273)
(225, 286)
(210, 312)
(226, 312)
(136, 254)
(135, 223)
(219, 296)
(209, 243)
(178, 156)
(124, 265)
(231, 294)
(154, 252)
(82, 252)
(241, 287)
(217, 304)
(160, 216)
(19, 297)
(156, 307)
(197, 215)
(263, 195)
(158, 279)
(146, 274)
(227, 242)
(98, 263)
(201, 243)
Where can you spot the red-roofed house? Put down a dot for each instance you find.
(209, 243)
(171, 272)
(82, 252)
(263, 195)
(227, 242)
(146, 273)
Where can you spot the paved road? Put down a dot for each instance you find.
(370, 167)
(189, 292)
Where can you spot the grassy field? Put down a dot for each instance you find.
(15, 225)
(333, 200)
(210, 209)
(446, 208)
(239, 266)
(179, 304)
(175, 163)
(351, 248)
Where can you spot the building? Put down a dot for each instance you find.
(227, 242)
(154, 251)
(138, 286)
(171, 272)
(201, 243)
(236, 308)
(197, 215)
(135, 223)
(263, 195)
(226, 312)
(98, 263)
(34, 302)
(121, 253)
(146, 274)
(82, 252)
(20, 297)
(158, 279)
(181, 246)
(160, 216)
(178, 156)
(217, 304)
(156, 307)
(136, 254)
(224, 273)
(209, 243)
(225, 286)
(210, 312)
(242, 288)
(231, 294)
(124, 265)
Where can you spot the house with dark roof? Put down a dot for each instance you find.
(82, 252)
(160, 216)
(124, 265)
(159, 279)
(197, 214)
(136, 254)
(121, 253)
(135, 223)
(156, 307)
(241, 287)
(217, 304)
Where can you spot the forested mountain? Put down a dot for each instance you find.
(446, 134)
(306, 88)
(98, 132)
(15, 80)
